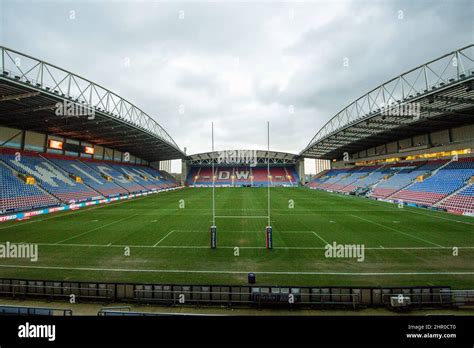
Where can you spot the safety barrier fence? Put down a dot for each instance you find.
(234, 295)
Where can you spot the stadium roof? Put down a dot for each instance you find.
(261, 156)
(30, 89)
(442, 91)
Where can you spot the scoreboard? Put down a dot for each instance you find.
(59, 145)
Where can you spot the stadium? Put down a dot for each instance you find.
(85, 179)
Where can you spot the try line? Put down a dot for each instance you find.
(380, 248)
(89, 269)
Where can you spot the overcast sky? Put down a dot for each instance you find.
(238, 64)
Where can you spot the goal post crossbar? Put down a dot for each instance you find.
(241, 216)
(266, 217)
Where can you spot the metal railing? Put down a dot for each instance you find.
(234, 295)
(28, 311)
(56, 290)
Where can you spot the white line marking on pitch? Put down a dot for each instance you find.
(232, 247)
(95, 229)
(439, 217)
(237, 272)
(391, 207)
(242, 217)
(225, 231)
(317, 235)
(70, 212)
(393, 229)
(162, 239)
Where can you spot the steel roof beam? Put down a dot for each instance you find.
(18, 96)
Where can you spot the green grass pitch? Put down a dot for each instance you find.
(168, 236)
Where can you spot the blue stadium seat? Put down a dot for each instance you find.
(89, 177)
(57, 180)
(440, 179)
(50, 177)
(15, 195)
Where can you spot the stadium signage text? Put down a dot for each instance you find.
(19, 251)
(239, 174)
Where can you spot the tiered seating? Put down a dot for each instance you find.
(56, 175)
(323, 177)
(138, 175)
(16, 195)
(398, 177)
(462, 201)
(260, 176)
(118, 177)
(239, 176)
(242, 176)
(224, 176)
(340, 174)
(347, 184)
(49, 177)
(446, 181)
(204, 178)
(193, 173)
(160, 178)
(403, 175)
(370, 176)
(89, 177)
(279, 176)
(292, 175)
(441, 183)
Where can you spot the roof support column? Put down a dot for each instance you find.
(300, 170)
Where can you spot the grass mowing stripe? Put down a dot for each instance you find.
(440, 217)
(294, 249)
(390, 206)
(97, 228)
(75, 212)
(235, 272)
(393, 229)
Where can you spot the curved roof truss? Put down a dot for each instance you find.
(445, 81)
(52, 80)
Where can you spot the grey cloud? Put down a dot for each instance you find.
(282, 62)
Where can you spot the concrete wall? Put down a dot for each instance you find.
(455, 138)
